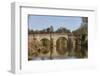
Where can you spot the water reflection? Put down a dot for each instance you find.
(71, 48)
(81, 48)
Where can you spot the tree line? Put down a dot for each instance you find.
(49, 30)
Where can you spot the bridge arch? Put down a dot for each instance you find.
(45, 45)
(61, 45)
(45, 41)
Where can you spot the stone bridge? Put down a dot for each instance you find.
(55, 37)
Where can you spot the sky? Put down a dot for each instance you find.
(39, 22)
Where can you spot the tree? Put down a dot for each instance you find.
(51, 28)
(30, 31)
(62, 30)
(48, 30)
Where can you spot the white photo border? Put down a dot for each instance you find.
(19, 64)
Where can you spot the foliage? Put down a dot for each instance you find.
(50, 29)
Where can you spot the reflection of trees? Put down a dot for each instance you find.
(84, 44)
(70, 46)
(81, 46)
(61, 45)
